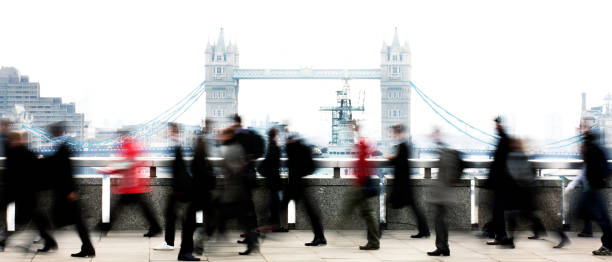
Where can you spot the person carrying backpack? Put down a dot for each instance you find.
(301, 164)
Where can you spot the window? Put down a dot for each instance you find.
(219, 70)
(395, 70)
(219, 58)
(394, 57)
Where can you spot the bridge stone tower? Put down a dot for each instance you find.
(394, 88)
(221, 87)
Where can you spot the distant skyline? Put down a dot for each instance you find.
(124, 62)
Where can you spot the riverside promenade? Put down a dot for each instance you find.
(396, 245)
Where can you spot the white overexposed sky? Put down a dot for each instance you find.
(124, 62)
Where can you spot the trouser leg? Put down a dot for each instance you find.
(600, 213)
(441, 228)
(189, 225)
(82, 229)
(274, 207)
(512, 221)
(315, 220)
(420, 217)
(170, 220)
(588, 226)
(499, 221)
(371, 222)
(536, 224)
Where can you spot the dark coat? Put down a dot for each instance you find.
(401, 192)
(299, 165)
(498, 173)
(596, 165)
(59, 169)
(270, 166)
(203, 177)
(182, 182)
(22, 181)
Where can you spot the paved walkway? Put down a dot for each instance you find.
(342, 246)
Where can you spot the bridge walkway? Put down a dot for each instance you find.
(396, 245)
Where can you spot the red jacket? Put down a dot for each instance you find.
(363, 169)
(133, 181)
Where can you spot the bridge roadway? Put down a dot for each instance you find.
(396, 245)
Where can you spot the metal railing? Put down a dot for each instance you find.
(153, 163)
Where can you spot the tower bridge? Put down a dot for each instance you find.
(223, 76)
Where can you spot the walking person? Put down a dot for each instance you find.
(497, 182)
(23, 182)
(181, 186)
(254, 147)
(236, 196)
(133, 188)
(363, 190)
(270, 169)
(521, 200)
(200, 195)
(593, 201)
(402, 194)
(67, 207)
(450, 171)
(301, 164)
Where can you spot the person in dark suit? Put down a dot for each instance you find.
(497, 181)
(200, 195)
(67, 206)
(181, 186)
(402, 194)
(270, 169)
(23, 184)
(300, 164)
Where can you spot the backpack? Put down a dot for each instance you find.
(451, 165)
(252, 142)
(519, 169)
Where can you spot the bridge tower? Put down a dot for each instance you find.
(394, 87)
(221, 87)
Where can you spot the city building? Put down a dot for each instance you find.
(16, 91)
(600, 119)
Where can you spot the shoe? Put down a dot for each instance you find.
(494, 242)
(564, 241)
(534, 237)
(163, 246)
(152, 232)
(369, 246)
(602, 251)
(420, 235)
(241, 241)
(317, 242)
(582, 234)
(439, 252)
(248, 251)
(85, 253)
(187, 257)
(48, 248)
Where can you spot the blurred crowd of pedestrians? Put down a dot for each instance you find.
(195, 188)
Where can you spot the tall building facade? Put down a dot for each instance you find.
(17, 91)
(394, 87)
(221, 87)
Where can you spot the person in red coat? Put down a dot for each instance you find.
(133, 188)
(365, 188)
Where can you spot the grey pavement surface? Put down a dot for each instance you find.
(396, 245)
